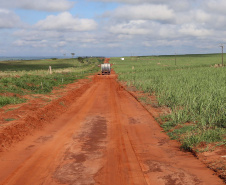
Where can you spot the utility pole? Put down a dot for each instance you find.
(222, 46)
(175, 59)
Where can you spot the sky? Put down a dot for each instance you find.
(111, 27)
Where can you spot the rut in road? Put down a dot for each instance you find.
(106, 138)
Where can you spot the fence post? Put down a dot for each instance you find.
(50, 70)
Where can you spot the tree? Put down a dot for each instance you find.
(72, 54)
(80, 59)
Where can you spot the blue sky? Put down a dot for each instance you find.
(83, 9)
(111, 27)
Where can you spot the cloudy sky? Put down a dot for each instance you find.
(111, 27)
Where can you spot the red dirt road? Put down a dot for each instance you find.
(106, 137)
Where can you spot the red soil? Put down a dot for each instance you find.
(95, 134)
(214, 156)
(106, 60)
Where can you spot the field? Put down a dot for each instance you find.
(193, 87)
(93, 131)
(18, 78)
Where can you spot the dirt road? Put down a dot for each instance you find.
(106, 138)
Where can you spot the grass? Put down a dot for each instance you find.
(34, 65)
(191, 87)
(192, 139)
(32, 77)
(4, 100)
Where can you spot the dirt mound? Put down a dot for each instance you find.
(36, 113)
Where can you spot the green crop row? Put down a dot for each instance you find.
(189, 85)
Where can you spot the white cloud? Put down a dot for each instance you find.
(113, 45)
(52, 39)
(196, 16)
(133, 1)
(81, 37)
(60, 44)
(34, 44)
(216, 6)
(66, 22)
(40, 5)
(193, 30)
(134, 27)
(201, 16)
(37, 35)
(143, 12)
(179, 5)
(162, 42)
(166, 31)
(8, 19)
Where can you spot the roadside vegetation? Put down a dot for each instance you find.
(18, 78)
(193, 87)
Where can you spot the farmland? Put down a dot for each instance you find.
(18, 78)
(92, 131)
(193, 87)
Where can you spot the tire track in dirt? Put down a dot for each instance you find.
(87, 149)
